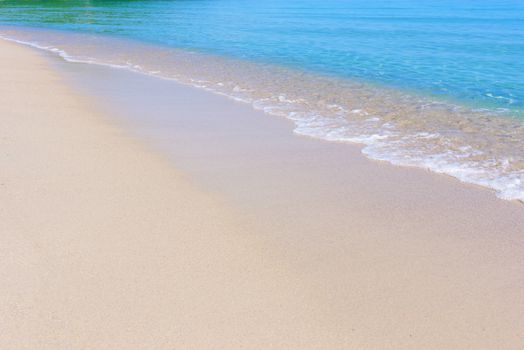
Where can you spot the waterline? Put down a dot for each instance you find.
(482, 147)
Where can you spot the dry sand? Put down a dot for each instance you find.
(103, 245)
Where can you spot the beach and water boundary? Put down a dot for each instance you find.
(475, 145)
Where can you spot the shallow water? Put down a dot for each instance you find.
(464, 49)
(438, 85)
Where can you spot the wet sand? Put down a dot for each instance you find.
(144, 213)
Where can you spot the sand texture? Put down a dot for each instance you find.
(106, 243)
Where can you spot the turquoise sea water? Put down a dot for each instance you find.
(436, 84)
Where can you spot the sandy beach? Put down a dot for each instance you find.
(226, 231)
(105, 246)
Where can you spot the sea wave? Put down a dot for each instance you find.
(475, 145)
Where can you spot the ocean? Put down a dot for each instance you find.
(431, 84)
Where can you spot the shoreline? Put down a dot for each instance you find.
(473, 145)
(319, 247)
